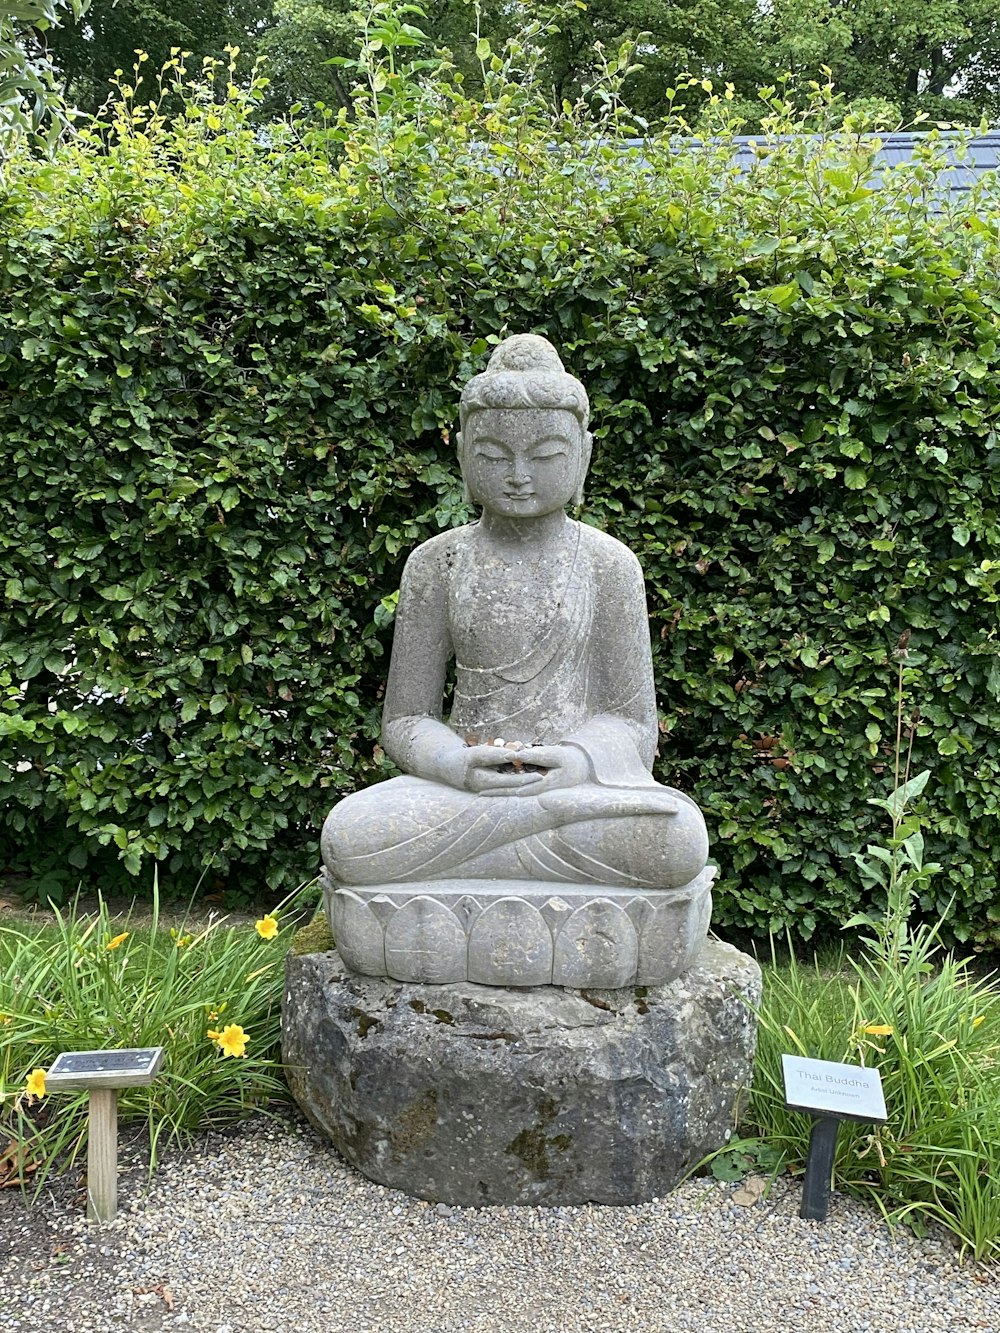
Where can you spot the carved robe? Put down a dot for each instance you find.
(553, 654)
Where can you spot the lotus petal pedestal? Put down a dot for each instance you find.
(520, 932)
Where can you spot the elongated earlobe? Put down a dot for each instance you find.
(586, 448)
(467, 496)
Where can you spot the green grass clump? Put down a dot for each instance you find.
(929, 1024)
(209, 993)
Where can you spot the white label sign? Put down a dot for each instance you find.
(851, 1092)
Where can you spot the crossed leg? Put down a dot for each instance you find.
(409, 829)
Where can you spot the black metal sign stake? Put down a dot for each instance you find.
(819, 1168)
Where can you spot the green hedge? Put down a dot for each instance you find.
(230, 365)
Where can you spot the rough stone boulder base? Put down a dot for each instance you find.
(475, 1095)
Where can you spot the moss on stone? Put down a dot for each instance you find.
(314, 937)
(533, 1146)
(366, 1022)
(416, 1126)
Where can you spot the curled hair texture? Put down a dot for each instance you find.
(525, 371)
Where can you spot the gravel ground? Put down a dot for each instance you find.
(266, 1230)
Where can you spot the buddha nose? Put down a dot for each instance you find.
(519, 473)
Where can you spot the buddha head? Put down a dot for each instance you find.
(524, 447)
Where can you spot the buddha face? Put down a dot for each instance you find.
(524, 462)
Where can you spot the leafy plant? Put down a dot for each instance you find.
(209, 994)
(932, 1028)
(743, 1156)
(896, 870)
(33, 110)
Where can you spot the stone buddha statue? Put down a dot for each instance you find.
(527, 841)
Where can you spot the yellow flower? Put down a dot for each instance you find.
(233, 1040)
(182, 941)
(117, 941)
(36, 1083)
(212, 1035)
(878, 1030)
(267, 927)
(980, 1018)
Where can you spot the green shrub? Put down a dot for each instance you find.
(230, 363)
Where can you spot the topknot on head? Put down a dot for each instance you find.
(526, 354)
(525, 371)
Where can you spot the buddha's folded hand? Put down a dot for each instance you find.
(487, 770)
(563, 765)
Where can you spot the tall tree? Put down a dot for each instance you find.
(673, 37)
(941, 57)
(30, 98)
(307, 34)
(304, 37)
(89, 54)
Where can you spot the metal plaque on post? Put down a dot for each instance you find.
(101, 1074)
(823, 1087)
(830, 1092)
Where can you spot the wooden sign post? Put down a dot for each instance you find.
(102, 1073)
(830, 1092)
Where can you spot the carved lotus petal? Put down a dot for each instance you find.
(510, 945)
(597, 947)
(359, 934)
(639, 910)
(555, 911)
(425, 942)
(672, 936)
